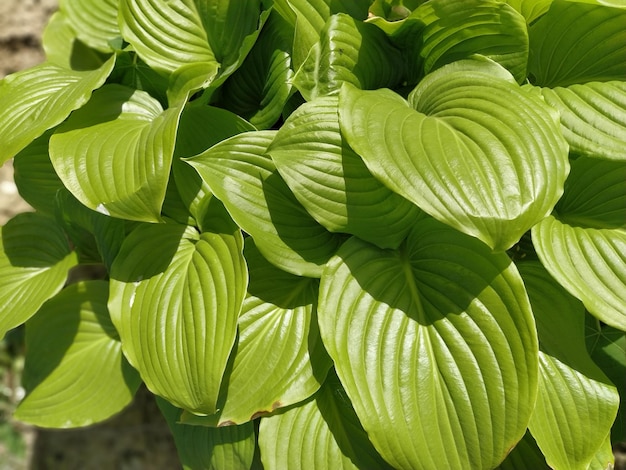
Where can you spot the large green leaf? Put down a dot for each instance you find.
(244, 178)
(322, 433)
(458, 30)
(259, 89)
(332, 182)
(593, 117)
(175, 299)
(470, 148)
(435, 344)
(583, 245)
(568, 379)
(192, 38)
(578, 42)
(35, 258)
(95, 21)
(35, 177)
(279, 358)
(75, 374)
(114, 154)
(39, 98)
(309, 16)
(203, 447)
(349, 51)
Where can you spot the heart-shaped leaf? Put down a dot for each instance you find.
(400, 327)
(332, 182)
(94, 21)
(474, 150)
(74, 372)
(244, 178)
(568, 378)
(226, 447)
(259, 89)
(114, 154)
(175, 300)
(339, 443)
(35, 258)
(279, 358)
(47, 94)
(583, 245)
(592, 117)
(578, 42)
(349, 51)
(458, 30)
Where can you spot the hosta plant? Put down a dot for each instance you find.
(329, 234)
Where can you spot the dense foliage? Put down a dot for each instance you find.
(331, 233)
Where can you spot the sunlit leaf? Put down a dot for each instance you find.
(176, 295)
(35, 258)
(114, 154)
(244, 178)
(47, 94)
(332, 182)
(593, 117)
(568, 378)
(349, 51)
(75, 374)
(322, 433)
(95, 21)
(400, 327)
(470, 148)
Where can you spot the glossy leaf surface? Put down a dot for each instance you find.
(175, 299)
(332, 182)
(75, 373)
(95, 21)
(35, 258)
(569, 379)
(446, 151)
(244, 178)
(398, 325)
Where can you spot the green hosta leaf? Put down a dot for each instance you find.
(244, 178)
(321, 433)
(175, 299)
(279, 359)
(197, 37)
(607, 347)
(471, 149)
(530, 9)
(399, 326)
(568, 379)
(525, 455)
(201, 127)
(63, 48)
(458, 30)
(577, 42)
(34, 260)
(35, 177)
(114, 154)
(593, 117)
(202, 447)
(95, 21)
(583, 245)
(604, 458)
(309, 18)
(590, 263)
(37, 99)
(259, 89)
(332, 182)
(75, 373)
(349, 51)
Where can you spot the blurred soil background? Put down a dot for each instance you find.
(138, 438)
